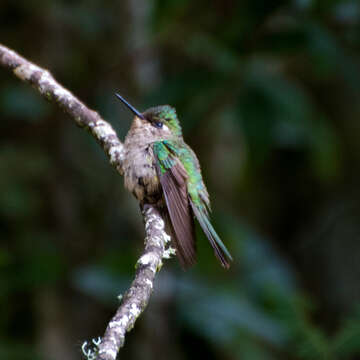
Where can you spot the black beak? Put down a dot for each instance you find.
(137, 113)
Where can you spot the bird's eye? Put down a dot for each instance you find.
(158, 124)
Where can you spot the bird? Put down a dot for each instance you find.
(162, 170)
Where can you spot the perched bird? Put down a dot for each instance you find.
(159, 168)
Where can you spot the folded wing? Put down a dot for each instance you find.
(173, 179)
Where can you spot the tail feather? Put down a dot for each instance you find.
(220, 249)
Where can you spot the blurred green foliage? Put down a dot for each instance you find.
(268, 93)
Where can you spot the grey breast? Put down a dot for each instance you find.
(140, 172)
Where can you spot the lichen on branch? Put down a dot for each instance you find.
(136, 298)
(51, 90)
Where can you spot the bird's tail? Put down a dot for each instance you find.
(220, 249)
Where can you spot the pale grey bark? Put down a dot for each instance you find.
(51, 90)
(137, 296)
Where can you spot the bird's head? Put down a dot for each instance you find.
(162, 118)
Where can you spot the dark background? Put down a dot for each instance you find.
(268, 93)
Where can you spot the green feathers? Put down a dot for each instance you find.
(156, 154)
(162, 152)
(186, 195)
(164, 114)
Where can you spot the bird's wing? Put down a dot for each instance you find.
(200, 204)
(173, 179)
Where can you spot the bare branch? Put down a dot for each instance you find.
(51, 90)
(137, 296)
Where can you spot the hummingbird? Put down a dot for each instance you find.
(162, 170)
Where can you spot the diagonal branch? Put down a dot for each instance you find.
(52, 91)
(137, 296)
